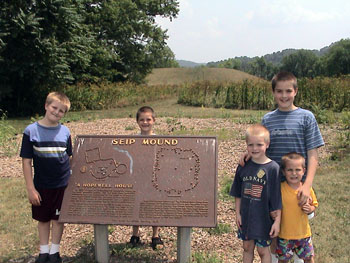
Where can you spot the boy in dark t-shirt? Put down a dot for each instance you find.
(256, 189)
(47, 144)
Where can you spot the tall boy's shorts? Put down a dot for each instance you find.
(50, 205)
(302, 247)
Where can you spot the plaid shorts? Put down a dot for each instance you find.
(257, 242)
(302, 247)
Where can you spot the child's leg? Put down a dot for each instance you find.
(44, 232)
(156, 240)
(248, 251)
(135, 231)
(155, 231)
(135, 238)
(56, 232)
(264, 253)
(273, 247)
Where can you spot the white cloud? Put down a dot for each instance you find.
(249, 15)
(213, 28)
(293, 12)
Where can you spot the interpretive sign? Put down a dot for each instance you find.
(142, 180)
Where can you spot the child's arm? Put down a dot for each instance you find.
(304, 190)
(33, 195)
(238, 212)
(275, 228)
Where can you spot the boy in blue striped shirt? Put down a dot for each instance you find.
(293, 129)
(47, 144)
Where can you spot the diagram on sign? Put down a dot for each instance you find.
(101, 168)
(175, 171)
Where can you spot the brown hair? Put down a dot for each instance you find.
(144, 109)
(291, 156)
(58, 96)
(258, 130)
(284, 76)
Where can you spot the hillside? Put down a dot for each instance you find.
(189, 64)
(175, 76)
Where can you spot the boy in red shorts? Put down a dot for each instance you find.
(47, 145)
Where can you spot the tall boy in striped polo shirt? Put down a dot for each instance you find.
(292, 129)
(47, 144)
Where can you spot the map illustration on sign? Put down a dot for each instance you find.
(175, 170)
(101, 168)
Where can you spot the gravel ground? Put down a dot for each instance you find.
(77, 238)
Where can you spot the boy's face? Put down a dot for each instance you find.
(256, 147)
(294, 172)
(54, 111)
(146, 122)
(284, 95)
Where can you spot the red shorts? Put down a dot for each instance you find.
(51, 202)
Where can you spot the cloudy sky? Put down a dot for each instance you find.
(212, 30)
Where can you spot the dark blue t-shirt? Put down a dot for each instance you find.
(50, 148)
(258, 186)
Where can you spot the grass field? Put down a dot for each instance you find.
(331, 226)
(175, 76)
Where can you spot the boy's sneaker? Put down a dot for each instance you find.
(55, 258)
(134, 241)
(42, 258)
(156, 241)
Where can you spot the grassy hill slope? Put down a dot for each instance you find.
(175, 76)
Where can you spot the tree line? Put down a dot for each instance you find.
(47, 44)
(332, 61)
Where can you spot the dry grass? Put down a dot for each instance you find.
(175, 76)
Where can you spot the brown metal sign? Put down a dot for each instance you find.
(142, 180)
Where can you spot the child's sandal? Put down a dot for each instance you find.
(134, 241)
(156, 241)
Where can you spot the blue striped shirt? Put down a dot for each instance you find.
(291, 131)
(50, 148)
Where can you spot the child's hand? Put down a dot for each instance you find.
(308, 208)
(303, 194)
(275, 229)
(34, 197)
(239, 221)
(244, 157)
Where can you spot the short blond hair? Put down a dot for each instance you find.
(258, 130)
(292, 156)
(58, 96)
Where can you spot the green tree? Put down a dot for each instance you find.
(259, 67)
(127, 30)
(232, 63)
(337, 60)
(166, 59)
(49, 43)
(43, 46)
(302, 63)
